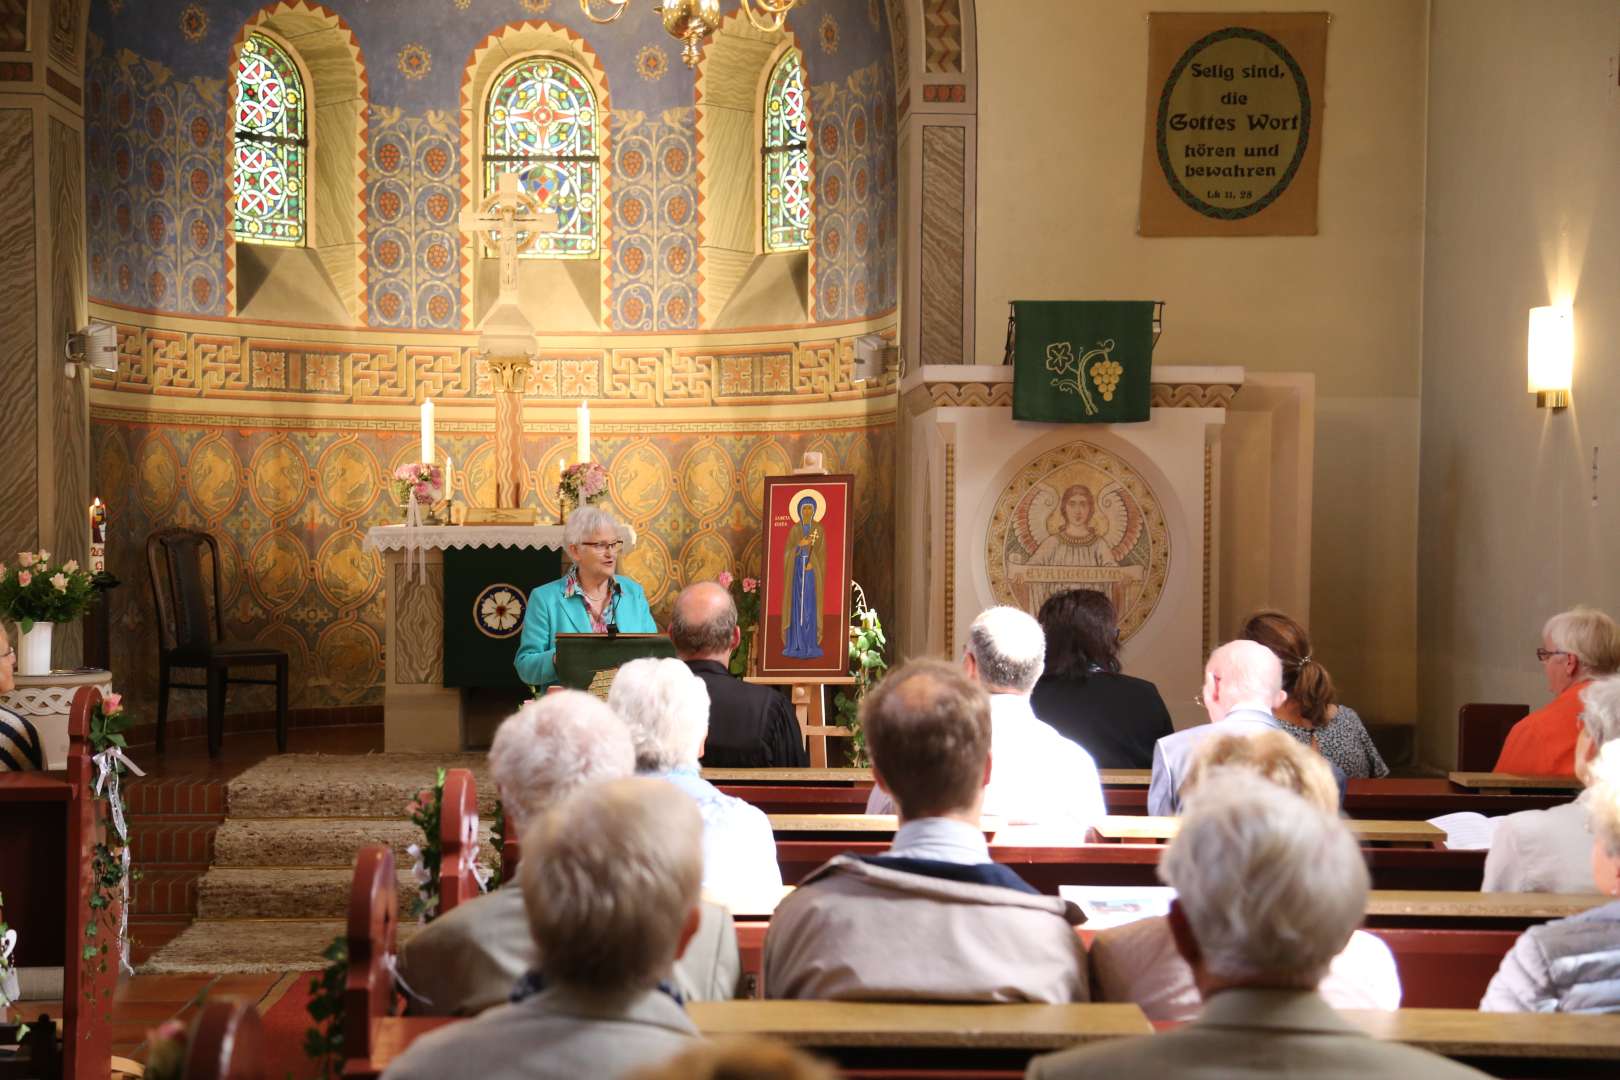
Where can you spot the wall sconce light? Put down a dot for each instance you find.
(1552, 355)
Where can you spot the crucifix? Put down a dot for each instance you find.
(512, 218)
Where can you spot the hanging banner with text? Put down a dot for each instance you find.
(1234, 124)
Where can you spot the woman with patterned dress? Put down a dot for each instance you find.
(20, 749)
(804, 570)
(1310, 714)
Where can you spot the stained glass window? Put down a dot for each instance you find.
(541, 125)
(267, 173)
(786, 175)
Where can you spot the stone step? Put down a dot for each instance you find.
(251, 946)
(323, 842)
(347, 785)
(286, 893)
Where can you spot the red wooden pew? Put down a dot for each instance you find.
(49, 824)
(458, 839)
(227, 1042)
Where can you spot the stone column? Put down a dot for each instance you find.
(44, 441)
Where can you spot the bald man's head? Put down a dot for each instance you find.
(1242, 674)
(704, 623)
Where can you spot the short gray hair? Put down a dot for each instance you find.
(1588, 635)
(700, 637)
(666, 708)
(609, 878)
(1009, 647)
(1603, 798)
(1252, 673)
(553, 745)
(1600, 710)
(1271, 885)
(586, 521)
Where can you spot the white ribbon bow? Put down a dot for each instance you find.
(415, 551)
(107, 763)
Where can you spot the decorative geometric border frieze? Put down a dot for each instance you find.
(999, 395)
(1193, 395)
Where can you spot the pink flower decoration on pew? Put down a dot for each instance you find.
(25, 559)
(24, 578)
(112, 704)
(725, 579)
(750, 584)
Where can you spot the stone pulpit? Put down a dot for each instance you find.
(997, 511)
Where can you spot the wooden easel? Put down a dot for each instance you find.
(808, 706)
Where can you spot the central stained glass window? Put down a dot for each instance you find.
(541, 125)
(268, 189)
(786, 174)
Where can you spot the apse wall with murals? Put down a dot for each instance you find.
(278, 333)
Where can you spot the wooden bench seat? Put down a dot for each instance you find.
(1488, 781)
(1154, 829)
(981, 1041)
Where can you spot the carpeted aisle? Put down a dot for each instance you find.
(277, 891)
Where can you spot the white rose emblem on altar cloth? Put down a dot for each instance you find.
(498, 610)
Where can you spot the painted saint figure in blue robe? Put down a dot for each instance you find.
(804, 567)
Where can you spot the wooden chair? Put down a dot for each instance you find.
(227, 1042)
(1481, 731)
(368, 991)
(190, 638)
(458, 839)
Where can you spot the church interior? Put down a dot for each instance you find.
(319, 308)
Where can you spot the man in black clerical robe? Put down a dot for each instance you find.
(750, 727)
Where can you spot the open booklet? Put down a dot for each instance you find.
(1115, 905)
(1466, 830)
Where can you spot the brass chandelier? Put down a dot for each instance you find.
(693, 20)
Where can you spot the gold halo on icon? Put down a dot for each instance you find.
(814, 496)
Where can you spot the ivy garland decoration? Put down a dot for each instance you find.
(867, 646)
(323, 1040)
(424, 814)
(110, 871)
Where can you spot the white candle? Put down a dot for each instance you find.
(582, 437)
(427, 432)
(449, 477)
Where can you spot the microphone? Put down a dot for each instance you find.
(612, 629)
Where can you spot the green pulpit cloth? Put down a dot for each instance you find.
(580, 657)
(485, 593)
(1082, 361)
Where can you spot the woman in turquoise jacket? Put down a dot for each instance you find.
(588, 599)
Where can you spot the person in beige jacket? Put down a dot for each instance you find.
(933, 919)
(469, 959)
(611, 880)
(1269, 888)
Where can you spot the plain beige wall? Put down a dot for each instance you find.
(1523, 209)
(1063, 100)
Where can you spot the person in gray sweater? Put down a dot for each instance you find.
(610, 878)
(1573, 964)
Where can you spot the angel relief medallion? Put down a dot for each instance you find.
(1079, 517)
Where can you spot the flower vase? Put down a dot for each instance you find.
(566, 504)
(34, 650)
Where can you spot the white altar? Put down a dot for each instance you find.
(997, 511)
(419, 712)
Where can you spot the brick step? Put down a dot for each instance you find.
(159, 842)
(164, 892)
(160, 796)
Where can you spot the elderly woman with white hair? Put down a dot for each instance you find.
(1269, 889)
(1551, 850)
(1577, 646)
(589, 599)
(666, 708)
(1573, 964)
(469, 959)
(610, 881)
